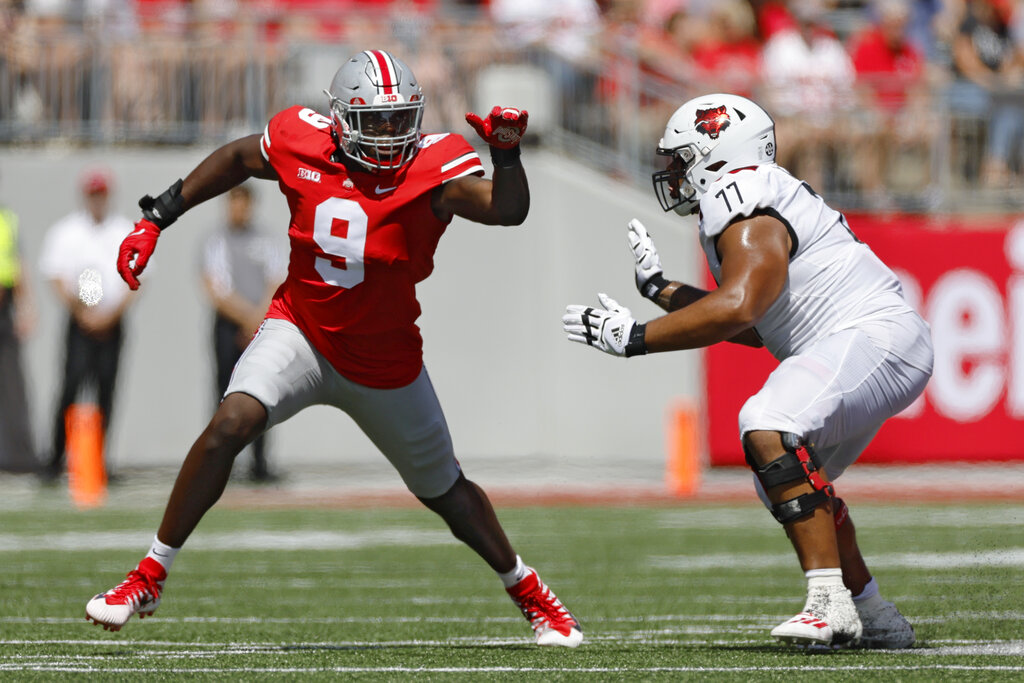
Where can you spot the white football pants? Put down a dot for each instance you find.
(282, 370)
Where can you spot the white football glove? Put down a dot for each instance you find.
(649, 278)
(612, 329)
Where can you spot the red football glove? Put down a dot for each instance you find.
(503, 128)
(135, 251)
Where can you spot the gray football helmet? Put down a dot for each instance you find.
(376, 109)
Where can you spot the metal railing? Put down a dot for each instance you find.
(608, 108)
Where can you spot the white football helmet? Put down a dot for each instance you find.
(376, 109)
(708, 137)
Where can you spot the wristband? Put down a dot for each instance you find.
(505, 158)
(166, 208)
(654, 286)
(637, 345)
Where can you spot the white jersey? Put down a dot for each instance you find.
(835, 281)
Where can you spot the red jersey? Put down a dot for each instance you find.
(360, 242)
(890, 71)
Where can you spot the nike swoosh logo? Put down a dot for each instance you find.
(382, 190)
(140, 231)
(159, 554)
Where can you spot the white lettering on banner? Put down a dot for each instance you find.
(965, 311)
(1015, 293)
(1015, 390)
(978, 337)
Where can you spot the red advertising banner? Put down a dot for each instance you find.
(967, 279)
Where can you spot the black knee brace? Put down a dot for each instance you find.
(798, 462)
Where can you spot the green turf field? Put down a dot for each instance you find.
(663, 594)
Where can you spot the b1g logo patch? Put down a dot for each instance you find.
(712, 122)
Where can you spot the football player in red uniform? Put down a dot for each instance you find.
(370, 196)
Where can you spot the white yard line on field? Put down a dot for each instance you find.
(654, 618)
(941, 647)
(867, 517)
(1006, 615)
(500, 669)
(1007, 557)
(242, 540)
(1014, 649)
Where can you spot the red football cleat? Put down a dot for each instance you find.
(140, 592)
(552, 623)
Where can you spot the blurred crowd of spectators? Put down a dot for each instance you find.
(866, 93)
(873, 84)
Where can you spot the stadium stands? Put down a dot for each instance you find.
(909, 126)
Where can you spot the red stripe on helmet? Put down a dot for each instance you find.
(386, 69)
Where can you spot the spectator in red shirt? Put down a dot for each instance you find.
(728, 53)
(887, 64)
(772, 16)
(891, 82)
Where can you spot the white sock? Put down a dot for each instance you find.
(870, 591)
(824, 577)
(162, 553)
(517, 574)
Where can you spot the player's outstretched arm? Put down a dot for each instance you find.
(755, 266)
(505, 198)
(670, 295)
(226, 167)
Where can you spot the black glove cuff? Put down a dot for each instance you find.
(166, 208)
(654, 286)
(636, 346)
(505, 158)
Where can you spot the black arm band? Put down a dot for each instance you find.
(166, 208)
(654, 286)
(637, 346)
(505, 158)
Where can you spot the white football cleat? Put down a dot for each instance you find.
(884, 627)
(829, 619)
(552, 623)
(139, 593)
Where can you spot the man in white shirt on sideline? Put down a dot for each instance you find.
(79, 259)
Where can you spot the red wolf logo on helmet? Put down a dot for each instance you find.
(711, 122)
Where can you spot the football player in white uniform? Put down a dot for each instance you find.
(791, 277)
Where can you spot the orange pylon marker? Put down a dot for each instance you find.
(87, 475)
(683, 436)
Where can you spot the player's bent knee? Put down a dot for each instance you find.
(239, 420)
(798, 462)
